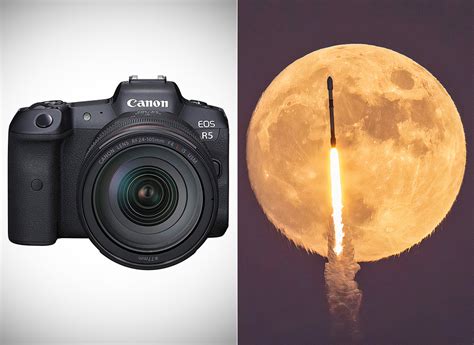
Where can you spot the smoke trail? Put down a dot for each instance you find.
(344, 296)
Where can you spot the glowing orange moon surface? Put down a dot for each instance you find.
(400, 141)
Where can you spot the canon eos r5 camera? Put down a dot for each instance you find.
(143, 174)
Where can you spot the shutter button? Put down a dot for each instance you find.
(44, 120)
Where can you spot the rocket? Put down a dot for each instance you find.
(331, 113)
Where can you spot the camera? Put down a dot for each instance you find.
(144, 174)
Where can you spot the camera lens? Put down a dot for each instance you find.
(148, 191)
(148, 196)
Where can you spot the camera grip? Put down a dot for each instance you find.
(33, 189)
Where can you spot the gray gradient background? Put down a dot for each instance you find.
(81, 50)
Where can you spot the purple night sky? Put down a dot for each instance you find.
(425, 296)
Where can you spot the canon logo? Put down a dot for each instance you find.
(147, 103)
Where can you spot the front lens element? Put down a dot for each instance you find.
(148, 196)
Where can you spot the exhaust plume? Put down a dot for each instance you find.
(343, 294)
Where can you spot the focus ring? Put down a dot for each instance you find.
(166, 120)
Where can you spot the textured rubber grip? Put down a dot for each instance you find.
(33, 191)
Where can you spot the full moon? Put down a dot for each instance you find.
(400, 140)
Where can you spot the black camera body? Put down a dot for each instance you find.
(143, 174)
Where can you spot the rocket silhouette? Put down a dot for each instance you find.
(331, 113)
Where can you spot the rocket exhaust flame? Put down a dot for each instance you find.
(335, 177)
(336, 193)
(344, 296)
